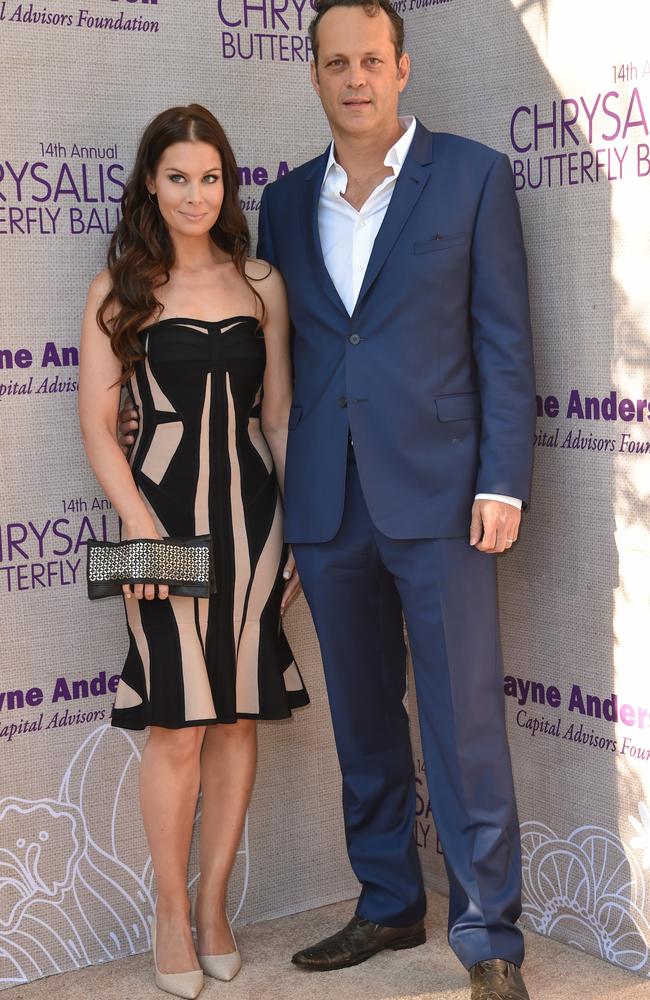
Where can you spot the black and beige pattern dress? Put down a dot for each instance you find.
(201, 465)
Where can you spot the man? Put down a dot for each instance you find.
(412, 425)
(414, 394)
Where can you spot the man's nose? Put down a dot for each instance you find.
(356, 76)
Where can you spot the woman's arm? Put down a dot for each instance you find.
(276, 401)
(278, 381)
(99, 395)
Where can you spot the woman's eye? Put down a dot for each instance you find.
(179, 178)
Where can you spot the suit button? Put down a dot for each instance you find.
(355, 339)
(343, 401)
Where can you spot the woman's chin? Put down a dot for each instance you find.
(199, 228)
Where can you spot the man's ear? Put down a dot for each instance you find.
(403, 70)
(313, 72)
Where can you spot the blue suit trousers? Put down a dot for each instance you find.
(357, 586)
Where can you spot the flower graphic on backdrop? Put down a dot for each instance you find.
(642, 827)
(76, 880)
(44, 841)
(67, 896)
(588, 891)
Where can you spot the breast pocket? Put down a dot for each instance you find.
(440, 242)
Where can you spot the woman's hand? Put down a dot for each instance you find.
(292, 587)
(148, 591)
(127, 425)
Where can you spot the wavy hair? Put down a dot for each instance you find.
(141, 251)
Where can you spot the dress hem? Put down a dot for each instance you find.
(300, 701)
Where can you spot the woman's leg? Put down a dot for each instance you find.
(169, 787)
(228, 762)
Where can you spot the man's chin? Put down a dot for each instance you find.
(358, 123)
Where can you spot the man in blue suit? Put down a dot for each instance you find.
(409, 457)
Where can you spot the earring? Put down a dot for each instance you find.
(151, 199)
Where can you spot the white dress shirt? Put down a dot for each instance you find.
(347, 236)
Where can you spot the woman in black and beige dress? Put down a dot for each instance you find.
(199, 332)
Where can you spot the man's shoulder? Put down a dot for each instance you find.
(460, 146)
(294, 178)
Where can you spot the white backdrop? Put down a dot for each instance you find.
(562, 86)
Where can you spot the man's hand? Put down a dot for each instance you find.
(127, 425)
(495, 525)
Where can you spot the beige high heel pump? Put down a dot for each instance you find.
(179, 984)
(223, 967)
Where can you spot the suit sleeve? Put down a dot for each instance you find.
(501, 339)
(265, 247)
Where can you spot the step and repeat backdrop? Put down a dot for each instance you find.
(563, 87)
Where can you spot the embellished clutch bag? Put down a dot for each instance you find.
(184, 564)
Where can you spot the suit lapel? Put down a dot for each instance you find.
(410, 184)
(313, 186)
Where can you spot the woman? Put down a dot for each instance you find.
(199, 332)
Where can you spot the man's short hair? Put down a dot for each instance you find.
(371, 8)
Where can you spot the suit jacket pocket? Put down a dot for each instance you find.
(461, 406)
(439, 242)
(295, 413)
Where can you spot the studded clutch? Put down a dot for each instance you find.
(185, 565)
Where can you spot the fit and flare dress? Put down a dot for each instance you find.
(202, 465)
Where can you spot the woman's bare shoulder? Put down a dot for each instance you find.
(267, 278)
(258, 269)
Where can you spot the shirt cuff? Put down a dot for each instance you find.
(497, 496)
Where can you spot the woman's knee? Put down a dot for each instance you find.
(243, 731)
(179, 746)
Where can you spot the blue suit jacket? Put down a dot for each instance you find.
(433, 372)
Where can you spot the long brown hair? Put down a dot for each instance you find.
(141, 252)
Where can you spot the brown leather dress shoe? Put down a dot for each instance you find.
(358, 941)
(497, 980)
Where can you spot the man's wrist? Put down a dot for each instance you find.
(513, 501)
